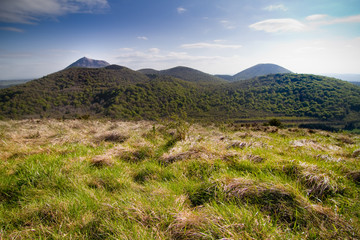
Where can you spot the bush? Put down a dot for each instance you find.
(275, 122)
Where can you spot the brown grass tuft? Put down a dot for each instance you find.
(255, 158)
(195, 153)
(112, 137)
(188, 225)
(355, 176)
(101, 161)
(356, 153)
(318, 183)
(135, 155)
(276, 200)
(238, 144)
(345, 139)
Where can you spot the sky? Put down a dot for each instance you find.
(39, 37)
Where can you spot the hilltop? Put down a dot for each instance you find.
(185, 73)
(256, 71)
(260, 70)
(89, 63)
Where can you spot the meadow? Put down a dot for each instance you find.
(103, 179)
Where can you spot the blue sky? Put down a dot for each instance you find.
(38, 37)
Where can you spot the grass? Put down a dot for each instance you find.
(84, 179)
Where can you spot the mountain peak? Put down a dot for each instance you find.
(89, 63)
(260, 70)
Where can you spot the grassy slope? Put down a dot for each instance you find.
(142, 180)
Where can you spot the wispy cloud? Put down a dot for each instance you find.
(126, 49)
(159, 59)
(227, 24)
(276, 7)
(142, 38)
(154, 50)
(210, 45)
(11, 29)
(323, 19)
(316, 17)
(279, 25)
(293, 25)
(181, 10)
(349, 19)
(31, 11)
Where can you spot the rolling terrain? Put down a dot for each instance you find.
(118, 92)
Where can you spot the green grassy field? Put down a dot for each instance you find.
(78, 179)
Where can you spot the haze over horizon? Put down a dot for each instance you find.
(39, 37)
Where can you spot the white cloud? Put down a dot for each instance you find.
(276, 7)
(142, 38)
(126, 49)
(293, 25)
(210, 45)
(11, 29)
(31, 11)
(316, 17)
(279, 25)
(154, 50)
(349, 19)
(323, 19)
(158, 59)
(181, 10)
(219, 40)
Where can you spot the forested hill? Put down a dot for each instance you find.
(119, 92)
(185, 73)
(259, 70)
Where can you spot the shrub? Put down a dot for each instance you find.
(275, 122)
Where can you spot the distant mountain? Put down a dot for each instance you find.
(259, 70)
(9, 83)
(185, 73)
(148, 71)
(226, 77)
(345, 77)
(89, 63)
(356, 83)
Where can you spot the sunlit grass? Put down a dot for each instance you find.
(139, 180)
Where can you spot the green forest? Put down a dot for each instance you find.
(121, 93)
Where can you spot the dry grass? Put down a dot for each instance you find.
(189, 225)
(319, 184)
(81, 179)
(102, 161)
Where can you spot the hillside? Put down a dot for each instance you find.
(148, 71)
(119, 92)
(259, 70)
(89, 63)
(185, 73)
(78, 179)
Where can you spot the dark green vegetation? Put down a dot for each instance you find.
(78, 179)
(119, 92)
(185, 73)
